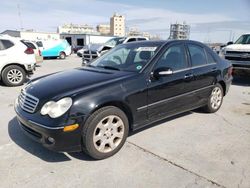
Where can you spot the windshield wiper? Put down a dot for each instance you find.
(109, 67)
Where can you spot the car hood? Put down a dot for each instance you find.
(72, 82)
(98, 47)
(238, 47)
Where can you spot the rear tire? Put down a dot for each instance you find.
(13, 75)
(215, 99)
(105, 132)
(62, 55)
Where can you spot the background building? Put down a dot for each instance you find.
(76, 29)
(117, 25)
(133, 31)
(33, 35)
(179, 31)
(103, 29)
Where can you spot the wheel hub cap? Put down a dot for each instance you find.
(14, 76)
(108, 134)
(216, 98)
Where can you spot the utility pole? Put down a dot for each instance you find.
(20, 17)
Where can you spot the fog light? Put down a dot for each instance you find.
(51, 140)
(70, 127)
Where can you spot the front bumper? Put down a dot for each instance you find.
(53, 138)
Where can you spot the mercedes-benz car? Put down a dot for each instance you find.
(93, 108)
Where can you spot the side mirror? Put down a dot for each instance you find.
(162, 71)
(229, 43)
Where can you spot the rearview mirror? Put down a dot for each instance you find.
(162, 71)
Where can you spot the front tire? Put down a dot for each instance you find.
(105, 132)
(13, 75)
(215, 99)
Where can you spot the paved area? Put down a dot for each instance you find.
(190, 150)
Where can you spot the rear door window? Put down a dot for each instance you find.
(210, 58)
(6, 44)
(197, 55)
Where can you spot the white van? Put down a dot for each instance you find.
(54, 48)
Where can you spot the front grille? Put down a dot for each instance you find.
(237, 58)
(28, 102)
(237, 55)
(237, 52)
(89, 55)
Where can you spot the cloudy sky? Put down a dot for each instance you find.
(211, 21)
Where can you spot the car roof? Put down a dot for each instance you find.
(163, 42)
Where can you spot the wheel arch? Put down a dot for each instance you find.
(122, 106)
(223, 85)
(17, 64)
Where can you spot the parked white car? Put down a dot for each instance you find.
(17, 61)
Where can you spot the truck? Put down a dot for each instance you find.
(238, 53)
(54, 48)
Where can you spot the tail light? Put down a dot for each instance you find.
(39, 52)
(29, 51)
(230, 71)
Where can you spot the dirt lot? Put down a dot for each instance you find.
(191, 150)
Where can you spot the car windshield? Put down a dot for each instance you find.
(127, 57)
(244, 39)
(115, 41)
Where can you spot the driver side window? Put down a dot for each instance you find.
(173, 58)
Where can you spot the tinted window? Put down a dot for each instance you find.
(7, 44)
(1, 45)
(197, 55)
(173, 58)
(39, 44)
(210, 58)
(30, 45)
(131, 40)
(141, 39)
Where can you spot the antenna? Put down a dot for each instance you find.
(19, 16)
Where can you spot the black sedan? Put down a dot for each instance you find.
(93, 108)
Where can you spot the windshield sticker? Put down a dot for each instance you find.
(149, 49)
(139, 67)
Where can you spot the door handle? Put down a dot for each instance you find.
(214, 69)
(188, 76)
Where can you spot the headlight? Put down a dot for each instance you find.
(56, 109)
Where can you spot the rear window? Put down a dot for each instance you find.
(139, 39)
(6, 44)
(30, 45)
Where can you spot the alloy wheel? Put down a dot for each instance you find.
(14, 76)
(108, 134)
(216, 98)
